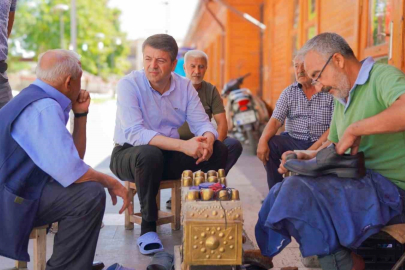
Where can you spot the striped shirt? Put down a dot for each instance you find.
(306, 119)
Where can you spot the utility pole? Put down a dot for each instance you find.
(73, 47)
(73, 26)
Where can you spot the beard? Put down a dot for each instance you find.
(342, 88)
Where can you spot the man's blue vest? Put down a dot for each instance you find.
(21, 181)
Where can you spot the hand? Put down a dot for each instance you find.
(300, 155)
(119, 190)
(263, 151)
(194, 147)
(81, 105)
(208, 146)
(348, 140)
(207, 153)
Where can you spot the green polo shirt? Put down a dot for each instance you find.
(212, 103)
(372, 94)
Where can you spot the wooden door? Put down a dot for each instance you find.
(382, 31)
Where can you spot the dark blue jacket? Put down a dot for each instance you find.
(21, 181)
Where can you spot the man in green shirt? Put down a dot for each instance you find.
(195, 66)
(369, 116)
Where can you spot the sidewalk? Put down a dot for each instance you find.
(119, 245)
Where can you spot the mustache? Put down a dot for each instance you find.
(302, 74)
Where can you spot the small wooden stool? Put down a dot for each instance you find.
(39, 236)
(163, 217)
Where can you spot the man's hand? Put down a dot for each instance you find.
(348, 140)
(119, 190)
(208, 147)
(300, 155)
(263, 151)
(194, 147)
(82, 103)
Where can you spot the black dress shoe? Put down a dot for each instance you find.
(327, 161)
(97, 266)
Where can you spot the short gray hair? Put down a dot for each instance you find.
(327, 44)
(67, 65)
(195, 54)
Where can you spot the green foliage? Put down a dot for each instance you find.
(37, 28)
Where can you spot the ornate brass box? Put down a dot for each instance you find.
(212, 232)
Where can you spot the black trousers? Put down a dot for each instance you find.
(79, 209)
(147, 165)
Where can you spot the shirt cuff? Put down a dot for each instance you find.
(212, 130)
(278, 118)
(145, 137)
(77, 172)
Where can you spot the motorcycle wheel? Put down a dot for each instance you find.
(252, 138)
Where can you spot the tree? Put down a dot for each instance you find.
(37, 28)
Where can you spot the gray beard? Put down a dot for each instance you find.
(342, 87)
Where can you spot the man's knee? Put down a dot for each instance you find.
(276, 144)
(148, 155)
(234, 146)
(93, 194)
(220, 149)
(220, 153)
(295, 184)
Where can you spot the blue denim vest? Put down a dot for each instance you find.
(21, 181)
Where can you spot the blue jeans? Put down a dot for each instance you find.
(279, 144)
(234, 152)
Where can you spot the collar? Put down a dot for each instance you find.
(366, 66)
(63, 100)
(364, 73)
(171, 88)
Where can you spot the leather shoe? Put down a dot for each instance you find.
(97, 266)
(327, 161)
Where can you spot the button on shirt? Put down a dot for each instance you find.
(143, 112)
(305, 119)
(41, 131)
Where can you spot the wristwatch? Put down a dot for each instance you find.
(77, 115)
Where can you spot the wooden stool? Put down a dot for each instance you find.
(163, 217)
(39, 236)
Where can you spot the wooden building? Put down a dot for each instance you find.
(236, 46)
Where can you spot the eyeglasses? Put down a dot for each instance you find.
(315, 82)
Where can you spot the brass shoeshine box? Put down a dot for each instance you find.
(212, 232)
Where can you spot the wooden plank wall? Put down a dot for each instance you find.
(348, 18)
(242, 45)
(277, 57)
(241, 42)
(341, 17)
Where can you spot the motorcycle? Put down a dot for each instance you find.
(247, 114)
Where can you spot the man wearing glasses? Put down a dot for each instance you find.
(329, 215)
(307, 115)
